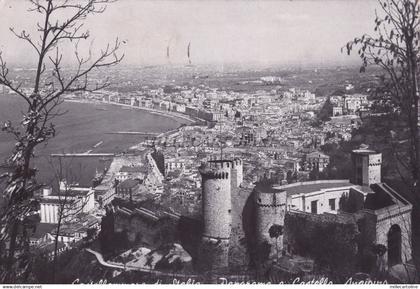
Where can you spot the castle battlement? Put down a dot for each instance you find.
(214, 161)
(217, 169)
(236, 162)
(210, 174)
(267, 196)
(218, 164)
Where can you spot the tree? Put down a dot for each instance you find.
(289, 176)
(68, 207)
(326, 111)
(276, 231)
(50, 83)
(106, 234)
(395, 49)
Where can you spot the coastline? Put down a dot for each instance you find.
(86, 137)
(169, 114)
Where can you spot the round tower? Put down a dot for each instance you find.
(270, 210)
(216, 198)
(217, 219)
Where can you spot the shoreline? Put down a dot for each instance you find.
(169, 114)
(90, 163)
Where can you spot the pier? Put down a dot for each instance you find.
(135, 133)
(69, 155)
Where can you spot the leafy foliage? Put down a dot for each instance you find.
(331, 244)
(275, 231)
(395, 49)
(326, 111)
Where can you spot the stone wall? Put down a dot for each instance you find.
(213, 254)
(399, 216)
(238, 249)
(139, 229)
(329, 239)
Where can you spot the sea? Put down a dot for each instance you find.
(83, 127)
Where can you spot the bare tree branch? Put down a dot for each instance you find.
(48, 90)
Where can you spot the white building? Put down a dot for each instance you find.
(174, 164)
(71, 201)
(337, 110)
(355, 102)
(131, 172)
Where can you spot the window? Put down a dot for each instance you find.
(314, 207)
(331, 202)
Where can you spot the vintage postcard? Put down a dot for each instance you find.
(209, 142)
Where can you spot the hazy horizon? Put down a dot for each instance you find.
(263, 33)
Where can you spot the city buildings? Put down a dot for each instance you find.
(276, 137)
(66, 204)
(127, 188)
(316, 161)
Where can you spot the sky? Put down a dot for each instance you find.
(230, 31)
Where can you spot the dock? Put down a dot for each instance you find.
(135, 133)
(69, 155)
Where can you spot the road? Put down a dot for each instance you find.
(157, 273)
(101, 260)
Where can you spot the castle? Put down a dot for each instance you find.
(220, 178)
(354, 215)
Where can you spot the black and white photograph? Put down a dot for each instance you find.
(190, 142)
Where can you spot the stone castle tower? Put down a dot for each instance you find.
(270, 209)
(219, 179)
(216, 199)
(366, 166)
